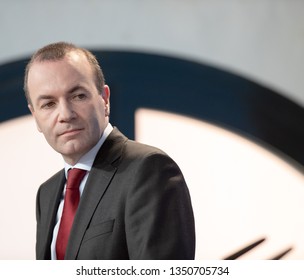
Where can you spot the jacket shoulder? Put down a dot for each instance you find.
(56, 179)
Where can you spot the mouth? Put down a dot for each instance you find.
(71, 132)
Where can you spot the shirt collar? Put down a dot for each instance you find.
(86, 161)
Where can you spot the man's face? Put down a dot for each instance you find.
(67, 107)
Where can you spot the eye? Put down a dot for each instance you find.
(79, 96)
(48, 105)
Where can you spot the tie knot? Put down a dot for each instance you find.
(75, 176)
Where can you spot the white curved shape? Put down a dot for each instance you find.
(240, 191)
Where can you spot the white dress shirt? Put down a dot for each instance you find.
(85, 163)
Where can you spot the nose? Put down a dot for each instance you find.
(66, 112)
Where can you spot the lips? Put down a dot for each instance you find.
(71, 132)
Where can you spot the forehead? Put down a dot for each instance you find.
(74, 67)
(72, 60)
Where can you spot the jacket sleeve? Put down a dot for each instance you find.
(159, 216)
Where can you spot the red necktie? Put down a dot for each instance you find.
(71, 201)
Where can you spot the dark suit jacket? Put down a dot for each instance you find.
(135, 205)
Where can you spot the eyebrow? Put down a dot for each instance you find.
(71, 90)
(75, 88)
(50, 97)
(44, 97)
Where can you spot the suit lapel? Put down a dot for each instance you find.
(101, 174)
(56, 184)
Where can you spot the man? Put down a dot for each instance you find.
(134, 201)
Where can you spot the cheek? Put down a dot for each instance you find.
(97, 121)
(44, 125)
(97, 112)
(38, 123)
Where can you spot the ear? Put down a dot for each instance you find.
(106, 98)
(34, 115)
(106, 94)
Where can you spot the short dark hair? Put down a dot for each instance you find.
(58, 51)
